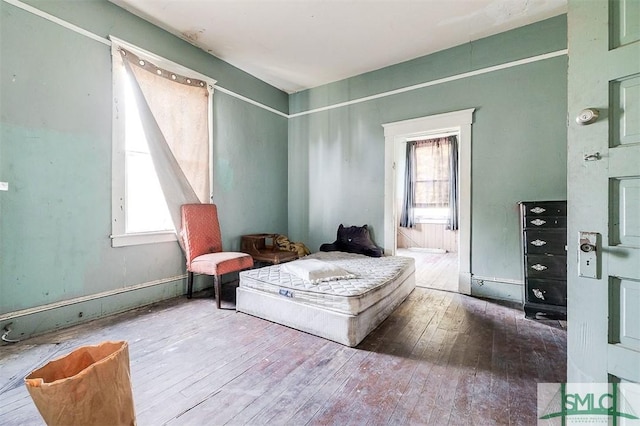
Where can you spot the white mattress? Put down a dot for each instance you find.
(345, 311)
(376, 278)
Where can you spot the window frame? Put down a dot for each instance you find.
(119, 236)
(415, 197)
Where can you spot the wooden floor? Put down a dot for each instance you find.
(441, 358)
(434, 270)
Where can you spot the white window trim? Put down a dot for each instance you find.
(119, 236)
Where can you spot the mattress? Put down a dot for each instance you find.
(375, 279)
(343, 310)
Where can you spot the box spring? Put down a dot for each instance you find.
(344, 311)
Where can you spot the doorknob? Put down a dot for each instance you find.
(587, 247)
(587, 116)
(588, 265)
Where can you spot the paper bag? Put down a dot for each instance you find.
(89, 386)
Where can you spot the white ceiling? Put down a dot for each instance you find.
(298, 44)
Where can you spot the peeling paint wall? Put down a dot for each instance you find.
(336, 156)
(55, 152)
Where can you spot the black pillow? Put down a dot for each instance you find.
(354, 239)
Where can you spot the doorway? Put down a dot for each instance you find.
(430, 242)
(397, 134)
(436, 270)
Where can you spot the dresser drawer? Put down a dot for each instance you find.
(548, 241)
(544, 222)
(544, 208)
(547, 291)
(546, 266)
(544, 240)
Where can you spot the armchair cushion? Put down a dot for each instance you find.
(220, 263)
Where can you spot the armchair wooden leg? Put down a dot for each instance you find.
(189, 285)
(216, 283)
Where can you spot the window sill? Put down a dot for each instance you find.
(124, 240)
(431, 221)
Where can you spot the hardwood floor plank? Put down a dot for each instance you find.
(499, 389)
(424, 351)
(470, 362)
(356, 390)
(411, 395)
(434, 270)
(433, 382)
(218, 349)
(254, 385)
(302, 385)
(208, 380)
(440, 358)
(437, 344)
(327, 394)
(394, 376)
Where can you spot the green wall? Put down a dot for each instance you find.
(55, 153)
(336, 157)
(301, 176)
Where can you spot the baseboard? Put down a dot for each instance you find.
(37, 320)
(497, 288)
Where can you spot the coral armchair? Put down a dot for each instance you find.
(202, 242)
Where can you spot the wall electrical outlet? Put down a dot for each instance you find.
(4, 186)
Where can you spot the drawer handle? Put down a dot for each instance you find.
(538, 267)
(538, 243)
(538, 210)
(538, 222)
(538, 293)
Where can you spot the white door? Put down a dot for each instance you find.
(604, 191)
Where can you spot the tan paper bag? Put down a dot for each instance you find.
(89, 386)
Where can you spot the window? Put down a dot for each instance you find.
(432, 180)
(146, 209)
(161, 144)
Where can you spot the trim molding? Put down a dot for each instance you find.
(436, 82)
(82, 31)
(81, 299)
(251, 101)
(497, 280)
(56, 20)
(497, 288)
(86, 33)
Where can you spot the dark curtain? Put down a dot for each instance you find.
(406, 217)
(452, 222)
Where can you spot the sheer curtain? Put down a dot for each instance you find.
(174, 113)
(431, 179)
(432, 173)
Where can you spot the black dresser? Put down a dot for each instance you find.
(544, 240)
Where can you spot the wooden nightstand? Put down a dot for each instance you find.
(263, 249)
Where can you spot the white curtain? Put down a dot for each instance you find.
(174, 113)
(432, 172)
(431, 179)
